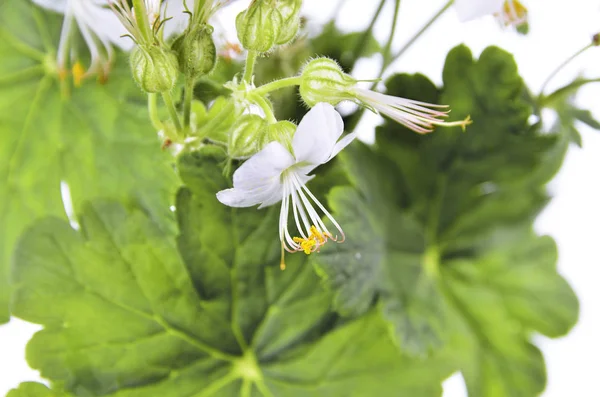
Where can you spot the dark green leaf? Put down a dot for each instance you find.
(130, 309)
(439, 230)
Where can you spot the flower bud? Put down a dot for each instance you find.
(153, 68)
(596, 39)
(323, 80)
(281, 131)
(196, 51)
(258, 27)
(290, 13)
(245, 139)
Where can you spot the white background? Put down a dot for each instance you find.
(558, 29)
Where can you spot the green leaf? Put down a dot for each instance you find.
(131, 309)
(33, 389)
(97, 139)
(569, 113)
(439, 230)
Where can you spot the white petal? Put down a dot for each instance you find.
(342, 143)
(264, 168)
(102, 22)
(258, 180)
(54, 5)
(471, 9)
(317, 135)
(179, 20)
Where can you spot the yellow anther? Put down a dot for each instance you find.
(78, 74)
(315, 234)
(514, 13)
(306, 244)
(315, 239)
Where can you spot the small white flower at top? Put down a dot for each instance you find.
(99, 28)
(507, 12)
(280, 173)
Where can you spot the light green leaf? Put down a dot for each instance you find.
(439, 230)
(33, 389)
(97, 139)
(130, 309)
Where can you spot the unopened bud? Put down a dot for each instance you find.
(245, 138)
(323, 80)
(196, 51)
(154, 68)
(290, 13)
(281, 131)
(258, 27)
(596, 39)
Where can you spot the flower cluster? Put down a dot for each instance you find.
(279, 157)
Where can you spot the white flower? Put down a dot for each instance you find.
(100, 29)
(420, 117)
(507, 12)
(277, 174)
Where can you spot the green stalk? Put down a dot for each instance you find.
(425, 27)
(153, 112)
(266, 107)
(168, 98)
(561, 67)
(387, 50)
(187, 104)
(362, 43)
(278, 84)
(249, 68)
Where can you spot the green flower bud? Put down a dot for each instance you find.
(154, 68)
(196, 51)
(323, 80)
(281, 131)
(258, 27)
(290, 13)
(245, 139)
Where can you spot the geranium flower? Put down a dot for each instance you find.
(98, 26)
(280, 173)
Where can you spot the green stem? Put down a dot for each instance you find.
(278, 84)
(425, 27)
(387, 50)
(355, 118)
(168, 98)
(141, 17)
(249, 68)
(187, 104)
(266, 107)
(561, 66)
(153, 112)
(362, 43)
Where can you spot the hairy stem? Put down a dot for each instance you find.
(249, 68)
(278, 84)
(266, 107)
(187, 104)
